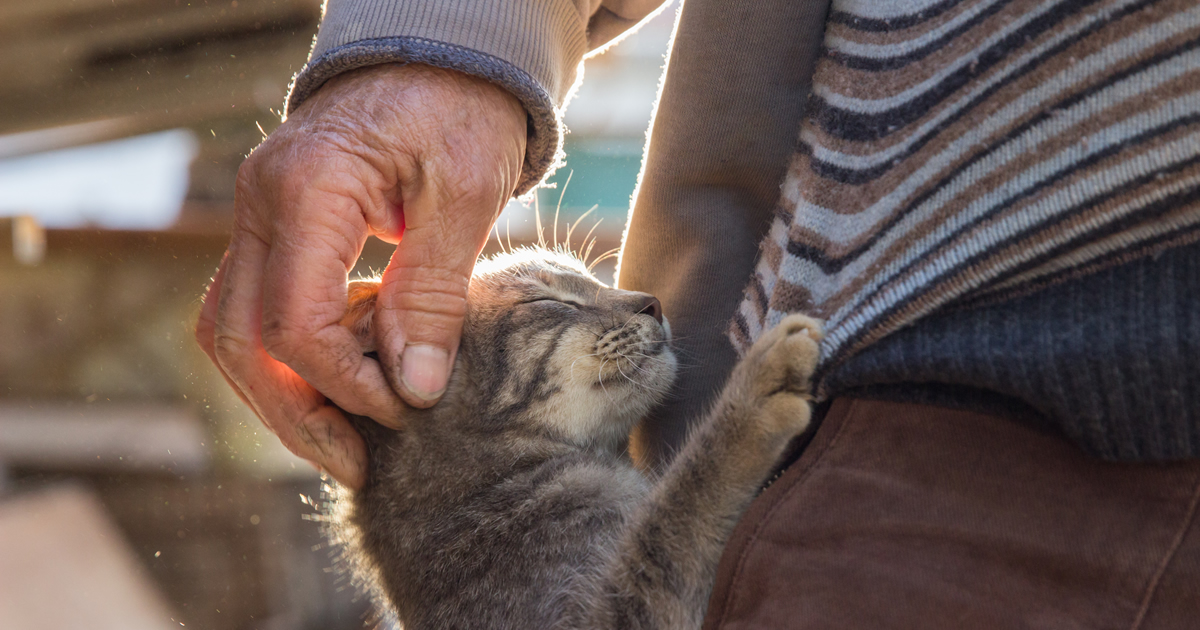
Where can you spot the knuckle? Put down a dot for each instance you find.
(281, 336)
(308, 435)
(293, 438)
(338, 365)
(245, 170)
(268, 170)
(312, 351)
(434, 291)
(473, 188)
(344, 364)
(247, 178)
(472, 184)
(230, 349)
(428, 278)
(286, 178)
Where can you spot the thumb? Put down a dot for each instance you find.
(423, 295)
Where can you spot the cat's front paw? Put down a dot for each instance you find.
(779, 368)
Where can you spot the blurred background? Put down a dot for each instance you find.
(136, 491)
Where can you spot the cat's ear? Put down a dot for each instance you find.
(360, 312)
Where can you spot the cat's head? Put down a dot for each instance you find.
(548, 347)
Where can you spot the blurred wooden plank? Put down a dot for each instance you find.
(175, 63)
(71, 38)
(18, 144)
(64, 565)
(132, 437)
(251, 76)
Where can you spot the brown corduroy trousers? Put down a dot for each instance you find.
(911, 516)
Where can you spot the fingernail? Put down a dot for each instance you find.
(424, 370)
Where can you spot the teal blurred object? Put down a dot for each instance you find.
(602, 172)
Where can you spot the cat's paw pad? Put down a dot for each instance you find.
(782, 363)
(787, 356)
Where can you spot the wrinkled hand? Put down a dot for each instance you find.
(412, 154)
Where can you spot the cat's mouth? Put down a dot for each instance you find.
(630, 354)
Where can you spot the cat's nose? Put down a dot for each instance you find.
(652, 307)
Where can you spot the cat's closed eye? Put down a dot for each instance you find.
(570, 303)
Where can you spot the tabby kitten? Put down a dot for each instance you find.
(513, 503)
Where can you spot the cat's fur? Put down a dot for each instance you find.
(513, 503)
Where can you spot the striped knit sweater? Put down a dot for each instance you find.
(959, 152)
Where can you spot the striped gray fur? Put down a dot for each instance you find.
(966, 151)
(513, 503)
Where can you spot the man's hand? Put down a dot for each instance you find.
(415, 155)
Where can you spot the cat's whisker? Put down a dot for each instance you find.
(508, 233)
(558, 208)
(639, 364)
(589, 242)
(622, 372)
(612, 253)
(656, 390)
(636, 367)
(496, 230)
(639, 368)
(626, 324)
(577, 360)
(537, 222)
(618, 330)
(600, 373)
(683, 367)
(571, 226)
(652, 342)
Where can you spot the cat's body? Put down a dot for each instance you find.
(513, 503)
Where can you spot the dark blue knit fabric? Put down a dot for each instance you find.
(1112, 359)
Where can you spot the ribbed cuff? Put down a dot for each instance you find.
(531, 49)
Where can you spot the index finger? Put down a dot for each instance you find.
(304, 301)
(294, 411)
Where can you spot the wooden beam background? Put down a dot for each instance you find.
(172, 62)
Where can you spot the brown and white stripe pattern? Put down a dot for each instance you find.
(961, 151)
